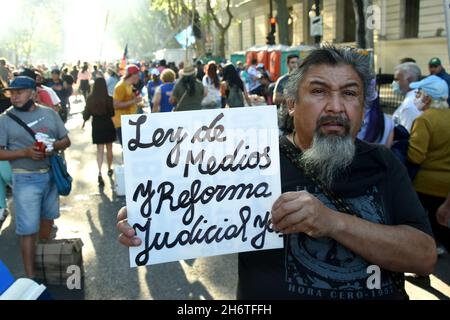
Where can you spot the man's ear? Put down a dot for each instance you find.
(427, 101)
(291, 107)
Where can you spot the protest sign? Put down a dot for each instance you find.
(201, 183)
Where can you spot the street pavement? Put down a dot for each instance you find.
(89, 213)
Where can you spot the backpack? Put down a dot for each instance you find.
(235, 97)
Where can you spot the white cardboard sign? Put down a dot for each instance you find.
(201, 183)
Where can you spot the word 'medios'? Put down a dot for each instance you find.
(238, 160)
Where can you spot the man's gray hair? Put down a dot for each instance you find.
(332, 56)
(411, 70)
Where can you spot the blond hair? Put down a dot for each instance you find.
(168, 76)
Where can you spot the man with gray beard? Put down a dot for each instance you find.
(351, 221)
(348, 212)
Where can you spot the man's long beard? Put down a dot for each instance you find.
(330, 154)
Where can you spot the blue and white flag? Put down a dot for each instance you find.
(185, 38)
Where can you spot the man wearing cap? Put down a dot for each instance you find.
(63, 92)
(436, 68)
(429, 147)
(125, 101)
(35, 196)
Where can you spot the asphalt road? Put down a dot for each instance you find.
(89, 213)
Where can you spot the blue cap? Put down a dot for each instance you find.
(22, 82)
(433, 86)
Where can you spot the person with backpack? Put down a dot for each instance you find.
(233, 88)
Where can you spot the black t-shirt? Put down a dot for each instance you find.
(378, 188)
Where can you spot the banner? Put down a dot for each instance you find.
(201, 183)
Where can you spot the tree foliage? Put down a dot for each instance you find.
(29, 39)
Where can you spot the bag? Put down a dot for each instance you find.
(62, 178)
(53, 259)
(210, 101)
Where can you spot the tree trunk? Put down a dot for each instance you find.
(199, 47)
(222, 33)
(222, 27)
(358, 6)
(282, 21)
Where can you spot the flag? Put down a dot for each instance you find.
(123, 62)
(185, 38)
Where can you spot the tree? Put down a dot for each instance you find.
(142, 41)
(282, 21)
(222, 26)
(179, 14)
(30, 38)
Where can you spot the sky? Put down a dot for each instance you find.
(86, 36)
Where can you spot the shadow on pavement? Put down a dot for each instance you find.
(441, 273)
(111, 259)
(168, 281)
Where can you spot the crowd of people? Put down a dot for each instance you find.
(378, 185)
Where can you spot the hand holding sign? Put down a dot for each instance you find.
(127, 236)
(301, 212)
(200, 183)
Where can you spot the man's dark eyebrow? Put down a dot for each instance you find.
(323, 83)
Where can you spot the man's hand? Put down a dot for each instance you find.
(295, 212)
(127, 236)
(137, 99)
(34, 153)
(443, 213)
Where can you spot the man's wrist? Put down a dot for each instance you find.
(337, 223)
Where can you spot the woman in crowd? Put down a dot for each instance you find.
(233, 88)
(84, 76)
(212, 83)
(429, 147)
(99, 105)
(163, 92)
(188, 92)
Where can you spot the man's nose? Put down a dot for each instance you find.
(335, 103)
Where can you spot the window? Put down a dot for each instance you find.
(412, 8)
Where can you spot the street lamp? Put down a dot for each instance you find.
(316, 26)
(273, 23)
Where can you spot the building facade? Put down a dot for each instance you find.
(413, 28)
